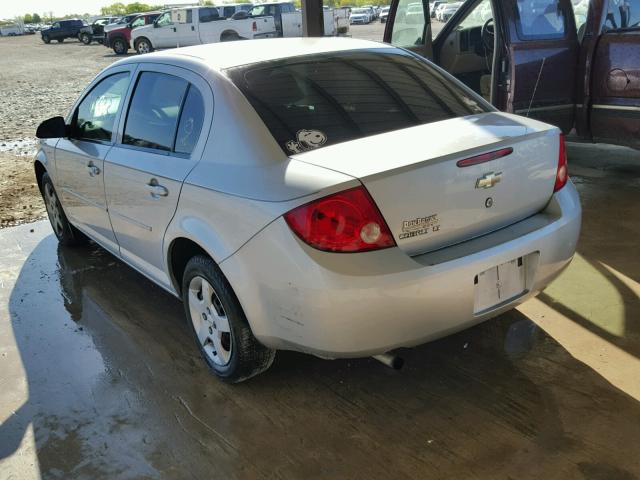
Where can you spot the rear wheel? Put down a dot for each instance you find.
(66, 233)
(219, 325)
(85, 38)
(229, 37)
(119, 46)
(46, 39)
(143, 45)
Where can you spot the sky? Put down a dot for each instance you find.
(13, 8)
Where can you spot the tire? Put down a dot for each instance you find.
(66, 233)
(219, 325)
(85, 38)
(143, 45)
(119, 46)
(60, 40)
(46, 39)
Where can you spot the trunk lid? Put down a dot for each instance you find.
(428, 201)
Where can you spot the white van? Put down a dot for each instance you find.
(181, 27)
(336, 22)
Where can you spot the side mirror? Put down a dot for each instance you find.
(52, 128)
(155, 25)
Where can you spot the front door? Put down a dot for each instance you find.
(542, 57)
(614, 97)
(80, 158)
(165, 33)
(159, 143)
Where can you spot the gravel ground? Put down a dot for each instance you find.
(39, 81)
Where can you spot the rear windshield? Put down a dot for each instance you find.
(313, 101)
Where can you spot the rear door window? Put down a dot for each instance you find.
(154, 111)
(318, 100)
(540, 19)
(208, 14)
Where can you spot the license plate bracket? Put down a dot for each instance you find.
(500, 284)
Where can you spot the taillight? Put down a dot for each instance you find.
(347, 221)
(254, 27)
(562, 174)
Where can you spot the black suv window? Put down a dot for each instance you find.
(165, 113)
(208, 14)
(95, 116)
(343, 96)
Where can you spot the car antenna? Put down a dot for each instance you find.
(536, 86)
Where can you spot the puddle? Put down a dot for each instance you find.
(19, 146)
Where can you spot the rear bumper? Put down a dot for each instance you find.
(342, 305)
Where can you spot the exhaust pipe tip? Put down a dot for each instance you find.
(392, 361)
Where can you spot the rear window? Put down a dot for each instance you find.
(318, 100)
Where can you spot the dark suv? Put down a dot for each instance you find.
(63, 29)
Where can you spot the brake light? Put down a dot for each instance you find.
(347, 221)
(562, 174)
(485, 157)
(254, 27)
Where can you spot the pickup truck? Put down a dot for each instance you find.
(119, 38)
(181, 27)
(336, 22)
(63, 29)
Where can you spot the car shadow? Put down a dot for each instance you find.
(116, 388)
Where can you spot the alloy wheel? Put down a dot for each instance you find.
(210, 321)
(143, 47)
(53, 209)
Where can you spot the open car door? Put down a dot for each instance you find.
(542, 56)
(609, 110)
(409, 26)
(519, 54)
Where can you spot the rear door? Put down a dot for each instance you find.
(185, 26)
(615, 75)
(165, 34)
(161, 138)
(540, 61)
(409, 26)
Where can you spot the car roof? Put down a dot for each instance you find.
(223, 55)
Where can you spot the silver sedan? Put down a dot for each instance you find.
(332, 196)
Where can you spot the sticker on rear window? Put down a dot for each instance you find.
(306, 140)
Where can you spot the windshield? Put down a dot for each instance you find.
(344, 96)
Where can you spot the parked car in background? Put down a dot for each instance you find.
(120, 22)
(272, 9)
(298, 214)
(384, 14)
(433, 7)
(438, 10)
(120, 38)
(181, 27)
(448, 11)
(360, 16)
(62, 30)
(95, 31)
(336, 22)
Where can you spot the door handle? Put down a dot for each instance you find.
(174, 29)
(193, 29)
(93, 170)
(155, 190)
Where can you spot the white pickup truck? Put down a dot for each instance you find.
(181, 27)
(336, 22)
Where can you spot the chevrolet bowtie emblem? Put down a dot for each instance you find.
(489, 180)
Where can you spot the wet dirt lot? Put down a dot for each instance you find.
(100, 378)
